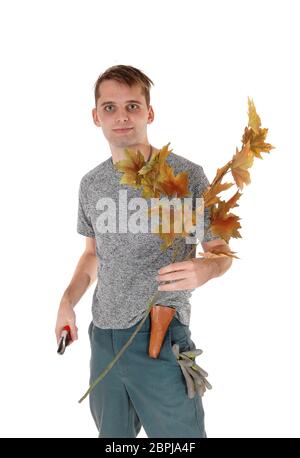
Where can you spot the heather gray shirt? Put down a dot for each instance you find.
(128, 262)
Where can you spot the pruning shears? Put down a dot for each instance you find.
(64, 340)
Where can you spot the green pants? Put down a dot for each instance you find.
(142, 391)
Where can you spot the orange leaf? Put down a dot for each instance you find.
(210, 194)
(232, 202)
(224, 225)
(174, 186)
(220, 173)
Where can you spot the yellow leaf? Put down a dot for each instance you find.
(241, 161)
(254, 120)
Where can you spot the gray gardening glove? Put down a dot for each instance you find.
(194, 375)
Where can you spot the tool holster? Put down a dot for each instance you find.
(160, 317)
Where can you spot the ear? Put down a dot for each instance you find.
(150, 115)
(96, 118)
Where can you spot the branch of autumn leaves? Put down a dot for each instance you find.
(156, 178)
(224, 223)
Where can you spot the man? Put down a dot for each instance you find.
(139, 389)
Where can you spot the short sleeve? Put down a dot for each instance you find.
(84, 224)
(199, 184)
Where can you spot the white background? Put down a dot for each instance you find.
(205, 59)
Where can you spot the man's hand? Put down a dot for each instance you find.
(189, 274)
(66, 316)
(194, 272)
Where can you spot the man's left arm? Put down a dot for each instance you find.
(197, 271)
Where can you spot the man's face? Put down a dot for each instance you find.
(118, 107)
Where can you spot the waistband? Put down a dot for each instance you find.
(147, 325)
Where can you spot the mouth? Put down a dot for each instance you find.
(124, 130)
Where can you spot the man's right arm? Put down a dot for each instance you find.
(85, 274)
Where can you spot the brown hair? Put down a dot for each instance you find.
(128, 75)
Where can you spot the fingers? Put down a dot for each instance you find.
(195, 376)
(177, 286)
(189, 383)
(73, 332)
(183, 265)
(181, 274)
(192, 353)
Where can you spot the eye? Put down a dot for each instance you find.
(133, 105)
(106, 107)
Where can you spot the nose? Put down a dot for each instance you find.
(122, 116)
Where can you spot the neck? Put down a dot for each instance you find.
(118, 153)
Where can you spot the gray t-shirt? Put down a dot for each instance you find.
(128, 262)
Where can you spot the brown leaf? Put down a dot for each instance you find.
(150, 187)
(158, 159)
(158, 177)
(130, 167)
(217, 254)
(257, 141)
(210, 194)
